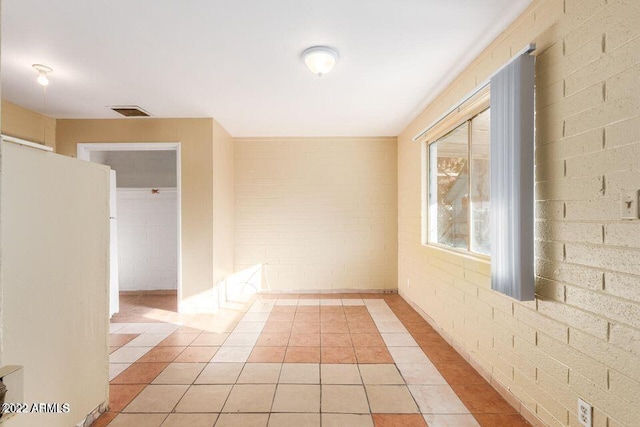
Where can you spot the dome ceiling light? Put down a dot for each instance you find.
(320, 59)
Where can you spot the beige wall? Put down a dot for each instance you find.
(580, 337)
(29, 125)
(55, 265)
(196, 139)
(320, 211)
(223, 203)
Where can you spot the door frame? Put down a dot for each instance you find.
(84, 153)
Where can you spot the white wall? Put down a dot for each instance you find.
(54, 226)
(147, 239)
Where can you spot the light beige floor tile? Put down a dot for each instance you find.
(390, 326)
(138, 420)
(421, 373)
(179, 373)
(294, 420)
(385, 315)
(406, 355)
(352, 301)
(248, 326)
(287, 301)
(220, 373)
(297, 398)
(346, 420)
(255, 317)
(128, 354)
(214, 324)
(204, 398)
(162, 328)
(434, 420)
(391, 399)
(340, 373)
(331, 301)
(116, 369)
(399, 339)
(114, 327)
(437, 399)
(264, 306)
(260, 373)
(209, 339)
(300, 373)
(146, 340)
(157, 398)
(191, 420)
(242, 420)
(232, 354)
(242, 339)
(380, 374)
(136, 328)
(345, 399)
(375, 302)
(246, 398)
(309, 301)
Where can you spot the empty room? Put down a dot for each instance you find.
(339, 213)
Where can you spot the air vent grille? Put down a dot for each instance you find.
(130, 111)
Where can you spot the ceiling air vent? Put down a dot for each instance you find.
(130, 111)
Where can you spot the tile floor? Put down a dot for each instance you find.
(295, 360)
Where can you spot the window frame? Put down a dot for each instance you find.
(464, 114)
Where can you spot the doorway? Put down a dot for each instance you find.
(145, 224)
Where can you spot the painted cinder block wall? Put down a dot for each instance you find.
(581, 336)
(147, 239)
(322, 212)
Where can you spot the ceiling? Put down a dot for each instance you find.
(239, 61)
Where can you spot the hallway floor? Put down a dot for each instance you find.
(292, 360)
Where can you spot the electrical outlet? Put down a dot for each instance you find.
(584, 413)
(629, 205)
(408, 282)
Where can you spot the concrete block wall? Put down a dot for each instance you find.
(580, 337)
(322, 212)
(147, 239)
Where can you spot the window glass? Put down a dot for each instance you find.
(449, 189)
(480, 182)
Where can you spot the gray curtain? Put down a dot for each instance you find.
(512, 145)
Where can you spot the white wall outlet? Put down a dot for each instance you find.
(584, 413)
(408, 282)
(629, 205)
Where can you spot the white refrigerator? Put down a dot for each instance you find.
(114, 287)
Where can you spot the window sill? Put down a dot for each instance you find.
(459, 252)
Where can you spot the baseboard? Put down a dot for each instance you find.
(504, 391)
(150, 292)
(329, 291)
(94, 415)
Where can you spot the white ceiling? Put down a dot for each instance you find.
(239, 61)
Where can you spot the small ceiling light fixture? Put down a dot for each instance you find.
(320, 59)
(42, 70)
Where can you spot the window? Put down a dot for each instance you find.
(459, 186)
(478, 176)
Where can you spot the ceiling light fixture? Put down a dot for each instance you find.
(42, 70)
(320, 59)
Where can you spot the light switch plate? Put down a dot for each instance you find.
(629, 205)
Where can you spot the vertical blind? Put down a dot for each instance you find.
(512, 155)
